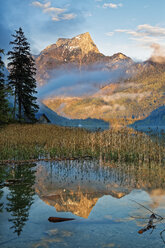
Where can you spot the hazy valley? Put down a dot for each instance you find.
(77, 81)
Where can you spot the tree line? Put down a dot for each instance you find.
(18, 101)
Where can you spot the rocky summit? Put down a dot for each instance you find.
(137, 91)
(77, 52)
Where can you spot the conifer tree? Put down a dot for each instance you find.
(22, 78)
(4, 108)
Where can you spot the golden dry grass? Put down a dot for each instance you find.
(23, 142)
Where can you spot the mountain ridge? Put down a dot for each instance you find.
(155, 121)
(137, 90)
(120, 103)
(77, 52)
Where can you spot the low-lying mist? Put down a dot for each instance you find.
(158, 54)
(78, 83)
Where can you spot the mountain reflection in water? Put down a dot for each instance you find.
(76, 186)
(87, 189)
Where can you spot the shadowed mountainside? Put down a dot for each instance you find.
(137, 89)
(91, 124)
(155, 121)
(123, 102)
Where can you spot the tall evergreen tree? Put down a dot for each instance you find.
(22, 78)
(4, 108)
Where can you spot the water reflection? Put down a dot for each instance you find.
(76, 186)
(1, 204)
(2, 176)
(20, 181)
(98, 191)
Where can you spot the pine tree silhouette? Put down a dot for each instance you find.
(4, 105)
(22, 78)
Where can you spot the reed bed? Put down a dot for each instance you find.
(27, 142)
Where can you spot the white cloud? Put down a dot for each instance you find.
(145, 33)
(53, 10)
(69, 16)
(57, 14)
(41, 5)
(152, 30)
(55, 18)
(112, 5)
(110, 33)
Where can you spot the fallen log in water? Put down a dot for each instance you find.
(57, 219)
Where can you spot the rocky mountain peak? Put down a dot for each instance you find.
(81, 42)
(77, 52)
(62, 42)
(119, 56)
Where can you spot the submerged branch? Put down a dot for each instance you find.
(151, 223)
(160, 217)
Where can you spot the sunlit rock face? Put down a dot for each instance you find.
(78, 203)
(77, 52)
(82, 42)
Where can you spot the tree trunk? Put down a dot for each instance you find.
(14, 109)
(20, 106)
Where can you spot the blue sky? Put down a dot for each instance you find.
(133, 27)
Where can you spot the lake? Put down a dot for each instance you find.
(110, 202)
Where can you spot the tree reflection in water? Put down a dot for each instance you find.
(74, 186)
(3, 172)
(20, 197)
(1, 204)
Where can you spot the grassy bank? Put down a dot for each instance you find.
(24, 142)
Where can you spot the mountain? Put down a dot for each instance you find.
(155, 121)
(91, 124)
(78, 52)
(122, 102)
(126, 93)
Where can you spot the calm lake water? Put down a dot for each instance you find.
(99, 195)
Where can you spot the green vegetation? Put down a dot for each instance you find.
(4, 108)
(24, 142)
(21, 83)
(21, 78)
(20, 182)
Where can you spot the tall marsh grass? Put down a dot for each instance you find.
(24, 142)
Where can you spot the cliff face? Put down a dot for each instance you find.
(77, 52)
(79, 45)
